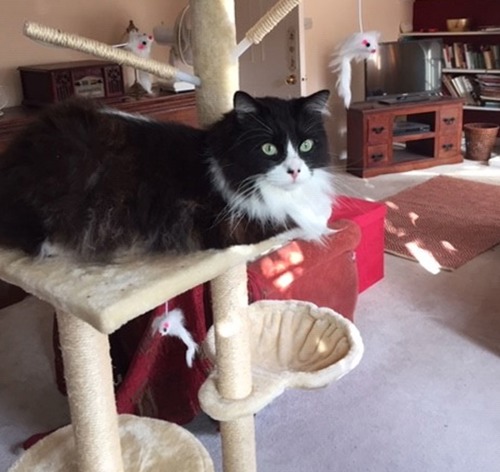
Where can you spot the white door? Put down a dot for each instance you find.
(275, 66)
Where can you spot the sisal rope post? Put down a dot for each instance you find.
(265, 25)
(104, 51)
(89, 381)
(234, 382)
(214, 40)
(214, 37)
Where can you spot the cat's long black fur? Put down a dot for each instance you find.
(94, 181)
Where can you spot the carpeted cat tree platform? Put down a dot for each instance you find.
(259, 350)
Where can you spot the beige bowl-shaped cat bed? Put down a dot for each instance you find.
(148, 445)
(293, 345)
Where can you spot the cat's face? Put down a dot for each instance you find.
(292, 169)
(270, 141)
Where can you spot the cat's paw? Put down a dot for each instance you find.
(310, 234)
(330, 231)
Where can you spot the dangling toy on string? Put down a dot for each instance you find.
(171, 323)
(356, 47)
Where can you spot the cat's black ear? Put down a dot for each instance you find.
(244, 103)
(317, 102)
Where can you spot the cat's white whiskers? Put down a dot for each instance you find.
(245, 191)
(310, 125)
(248, 136)
(243, 194)
(262, 123)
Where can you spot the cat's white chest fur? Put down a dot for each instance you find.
(308, 203)
(291, 190)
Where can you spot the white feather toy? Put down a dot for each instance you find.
(356, 47)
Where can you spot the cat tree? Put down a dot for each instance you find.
(293, 344)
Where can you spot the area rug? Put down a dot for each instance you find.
(444, 222)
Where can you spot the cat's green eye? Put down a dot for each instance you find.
(269, 149)
(306, 145)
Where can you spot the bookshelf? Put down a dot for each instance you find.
(471, 66)
(482, 103)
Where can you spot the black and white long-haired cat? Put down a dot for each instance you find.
(94, 180)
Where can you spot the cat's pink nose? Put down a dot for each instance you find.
(294, 173)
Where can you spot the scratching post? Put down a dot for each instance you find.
(89, 381)
(218, 70)
(234, 380)
(214, 40)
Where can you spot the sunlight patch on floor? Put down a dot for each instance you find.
(424, 258)
(448, 246)
(413, 217)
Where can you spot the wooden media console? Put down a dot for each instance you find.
(387, 138)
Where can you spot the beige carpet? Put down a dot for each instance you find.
(443, 222)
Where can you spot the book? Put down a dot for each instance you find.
(465, 89)
(495, 50)
(447, 56)
(457, 83)
(458, 55)
(470, 57)
(448, 86)
(471, 94)
(488, 79)
(489, 60)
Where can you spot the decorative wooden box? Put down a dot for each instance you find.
(50, 83)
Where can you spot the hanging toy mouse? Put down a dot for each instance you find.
(171, 323)
(356, 47)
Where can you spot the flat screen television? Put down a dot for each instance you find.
(404, 71)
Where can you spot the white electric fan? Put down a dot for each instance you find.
(178, 37)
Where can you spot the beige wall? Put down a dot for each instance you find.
(103, 20)
(106, 20)
(332, 22)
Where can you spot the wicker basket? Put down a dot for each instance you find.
(479, 140)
